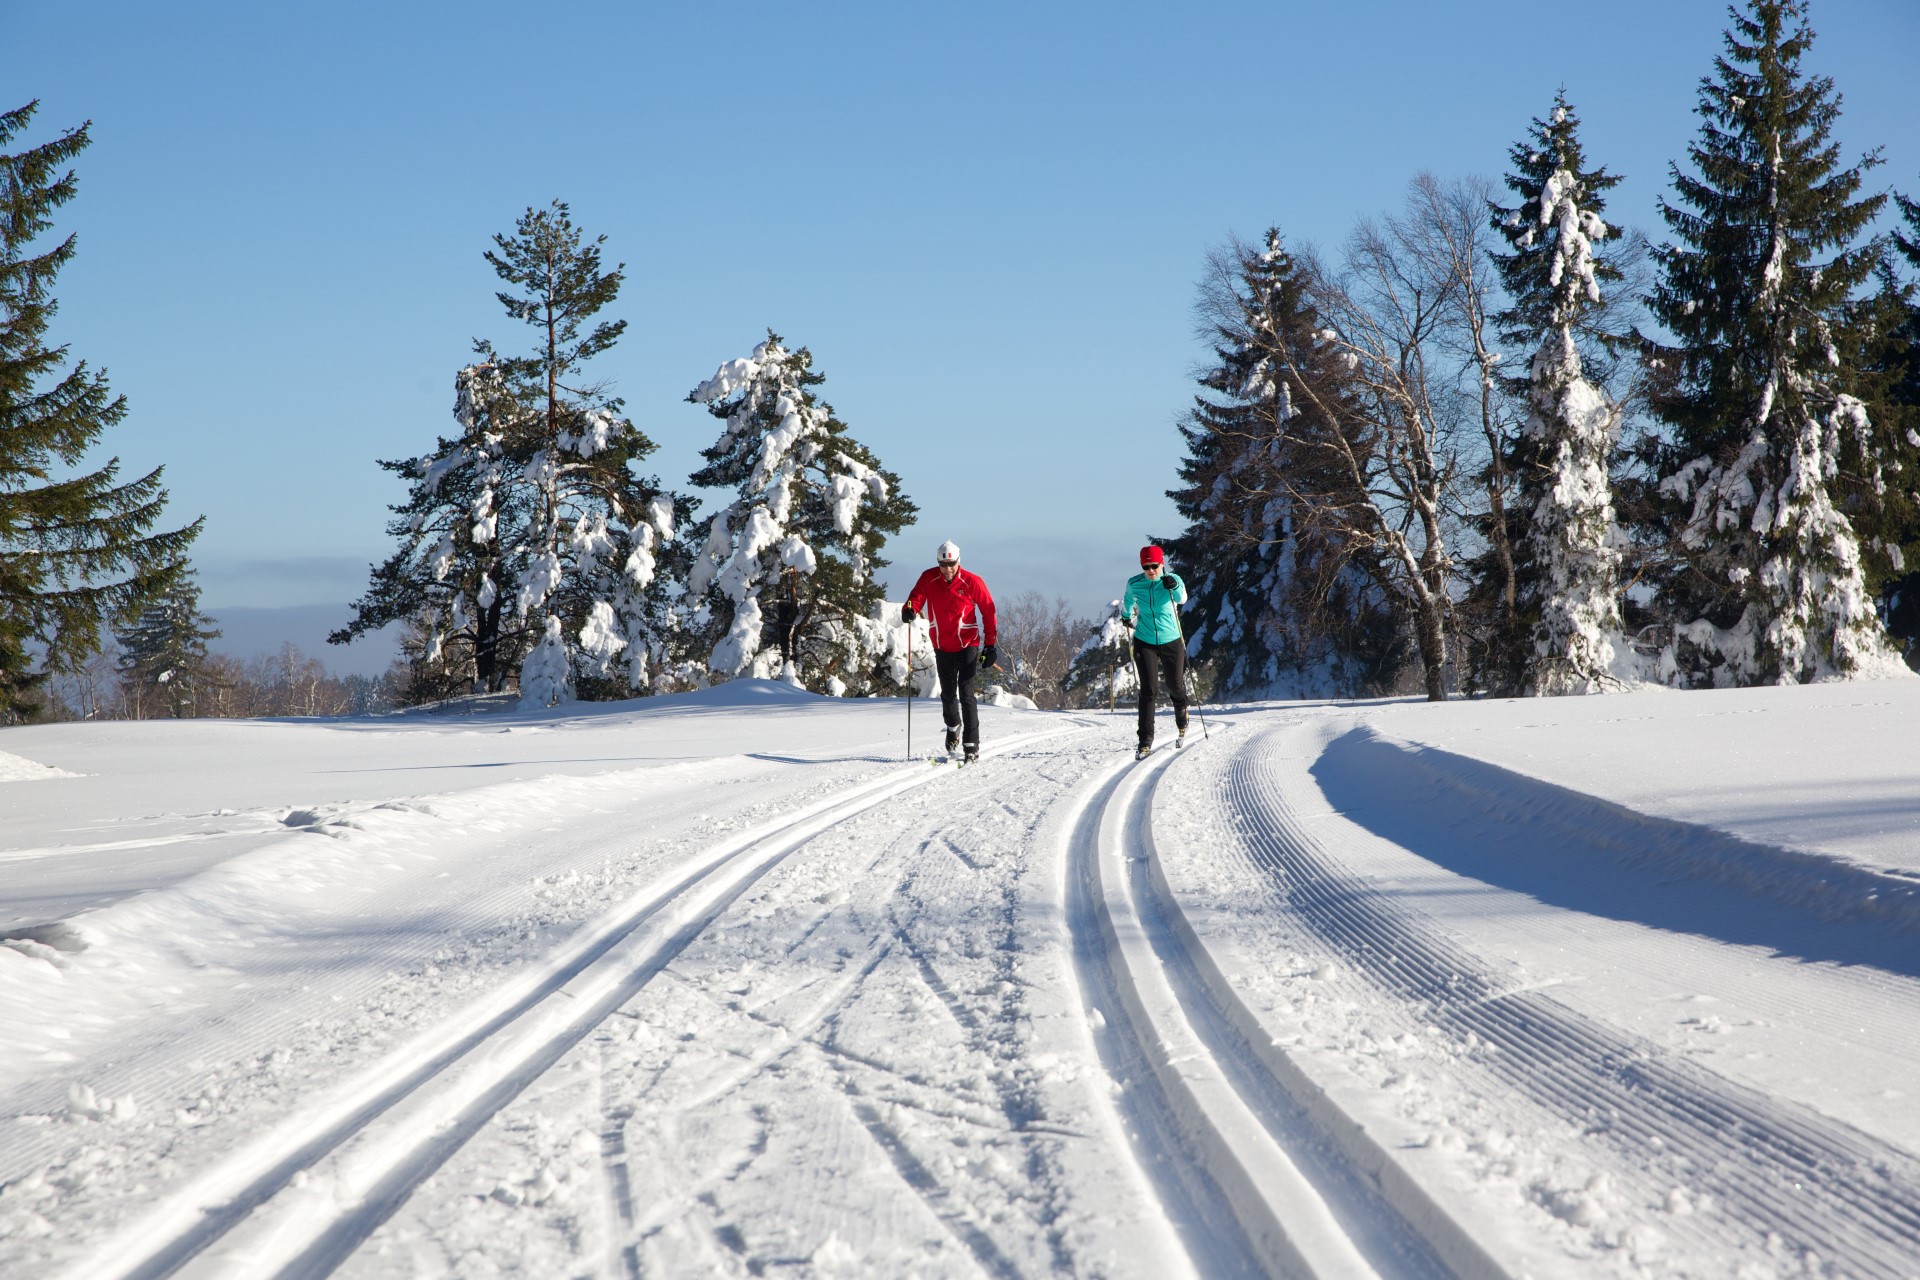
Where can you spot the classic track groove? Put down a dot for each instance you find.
(1249, 1176)
(459, 1075)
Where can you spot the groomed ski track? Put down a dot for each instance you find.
(405, 1116)
(1198, 1137)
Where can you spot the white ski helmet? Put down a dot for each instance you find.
(947, 554)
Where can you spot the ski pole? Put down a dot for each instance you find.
(1186, 675)
(1196, 706)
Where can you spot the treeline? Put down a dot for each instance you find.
(134, 679)
(112, 686)
(1496, 444)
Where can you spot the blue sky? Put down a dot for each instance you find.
(986, 221)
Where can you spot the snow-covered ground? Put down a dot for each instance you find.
(721, 984)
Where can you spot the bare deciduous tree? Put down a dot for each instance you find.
(1402, 310)
(1038, 640)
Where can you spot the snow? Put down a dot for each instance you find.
(17, 769)
(723, 983)
(544, 675)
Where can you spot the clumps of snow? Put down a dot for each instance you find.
(998, 696)
(20, 769)
(1575, 229)
(544, 677)
(85, 1104)
(600, 642)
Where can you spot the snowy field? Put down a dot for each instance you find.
(720, 985)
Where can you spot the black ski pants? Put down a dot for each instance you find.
(957, 669)
(1154, 662)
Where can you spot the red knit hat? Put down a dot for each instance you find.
(1152, 555)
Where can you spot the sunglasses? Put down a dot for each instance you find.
(1152, 568)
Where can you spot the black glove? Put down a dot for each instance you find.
(1166, 582)
(987, 656)
(907, 614)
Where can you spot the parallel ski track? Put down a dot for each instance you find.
(1250, 1180)
(402, 1118)
(1777, 1170)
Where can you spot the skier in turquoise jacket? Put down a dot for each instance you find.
(1151, 610)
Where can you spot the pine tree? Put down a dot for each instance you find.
(791, 559)
(1763, 389)
(1277, 605)
(163, 653)
(1557, 627)
(78, 552)
(530, 529)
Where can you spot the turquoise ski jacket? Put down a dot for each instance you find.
(1153, 608)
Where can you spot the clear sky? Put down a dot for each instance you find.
(986, 221)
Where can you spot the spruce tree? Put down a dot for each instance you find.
(1763, 388)
(1277, 605)
(78, 550)
(783, 582)
(163, 653)
(1559, 629)
(530, 529)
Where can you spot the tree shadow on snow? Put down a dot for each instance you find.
(1576, 852)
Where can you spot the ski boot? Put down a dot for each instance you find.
(972, 754)
(1142, 751)
(953, 741)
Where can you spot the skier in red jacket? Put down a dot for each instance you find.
(959, 611)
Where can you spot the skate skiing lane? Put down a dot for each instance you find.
(1775, 1166)
(476, 1063)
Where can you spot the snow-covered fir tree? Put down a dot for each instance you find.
(530, 531)
(80, 549)
(1103, 671)
(1772, 438)
(447, 578)
(1561, 631)
(163, 654)
(1277, 605)
(782, 582)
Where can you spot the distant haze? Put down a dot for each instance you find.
(248, 632)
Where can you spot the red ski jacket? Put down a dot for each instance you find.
(958, 613)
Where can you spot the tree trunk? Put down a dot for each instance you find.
(1431, 633)
(486, 649)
